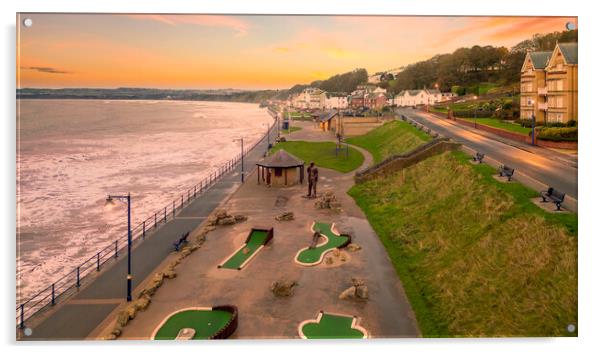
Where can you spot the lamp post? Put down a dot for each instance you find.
(110, 200)
(268, 135)
(475, 111)
(530, 103)
(242, 159)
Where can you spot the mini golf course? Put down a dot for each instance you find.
(332, 326)
(256, 240)
(208, 323)
(312, 256)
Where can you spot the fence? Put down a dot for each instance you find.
(66, 285)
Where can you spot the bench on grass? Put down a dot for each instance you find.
(554, 195)
(181, 241)
(478, 157)
(506, 171)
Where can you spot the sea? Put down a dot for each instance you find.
(72, 153)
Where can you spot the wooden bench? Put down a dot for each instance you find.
(554, 195)
(478, 157)
(506, 171)
(181, 241)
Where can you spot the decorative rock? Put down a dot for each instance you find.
(221, 213)
(228, 220)
(111, 337)
(353, 247)
(283, 288)
(328, 260)
(240, 218)
(328, 201)
(123, 318)
(348, 293)
(116, 330)
(286, 216)
(361, 292)
(171, 274)
(343, 258)
(357, 281)
(336, 252)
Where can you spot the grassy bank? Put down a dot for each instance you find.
(323, 154)
(392, 138)
(500, 124)
(476, 256)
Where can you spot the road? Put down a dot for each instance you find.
(77, 317)
(543, 165)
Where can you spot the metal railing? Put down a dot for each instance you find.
(66, 285)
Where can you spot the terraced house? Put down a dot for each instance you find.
(549, 84)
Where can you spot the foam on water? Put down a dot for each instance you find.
(72, 153)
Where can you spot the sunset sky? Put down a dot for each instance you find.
(251, 52)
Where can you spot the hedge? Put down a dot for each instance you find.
(558, 134)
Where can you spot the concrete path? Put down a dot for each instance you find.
(199, 283)
(81, 314)
(543, 165)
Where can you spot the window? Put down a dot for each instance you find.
(559, 85)
(559, 102)
(278, 171)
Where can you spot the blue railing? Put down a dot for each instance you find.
(66, 285)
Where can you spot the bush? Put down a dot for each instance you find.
(526, 122)
(558, 134)
(571, 123)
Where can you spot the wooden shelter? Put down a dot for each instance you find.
(280, 169)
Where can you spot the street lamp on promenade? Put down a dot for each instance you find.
(242, 159)
(530, 103)
(268, 135)
(475, 97)
(111, 201)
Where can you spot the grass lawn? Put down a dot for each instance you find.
(322, 154)
(500, 124)
(395, 137)
(310, 256)
(204, 322)
(331, 327)
(292, 129)
(476, 256)
(257, 239)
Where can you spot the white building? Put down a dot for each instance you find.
(446, 96)
(312, 98)
(336, 101)
(412, 98)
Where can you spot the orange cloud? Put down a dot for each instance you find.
(235, 23)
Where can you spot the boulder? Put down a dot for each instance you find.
(185, 334)
(336, 252)
(358, 282)
(361, 292)
(170, 274)
(283, 288)
(111, 337)
(228, 220)
(328, 260)
(286, 216)
(240, 218)
(117, 330)
(221, 213)
(328, 201)
(212, 220)
(353, 247)
(123, 318)
(348, 293)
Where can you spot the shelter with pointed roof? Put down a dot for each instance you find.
(280, 169)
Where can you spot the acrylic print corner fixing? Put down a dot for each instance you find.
(245, 176)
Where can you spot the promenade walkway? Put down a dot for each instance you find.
(77, 317)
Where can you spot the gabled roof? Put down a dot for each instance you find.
(413, 92)
(326, 116)
(569, 51)
(281, 159)
(540, 59)
(433, 91)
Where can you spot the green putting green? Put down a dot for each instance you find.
(239, 258)
(330, 326)
(205, 322)
(313, 256)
